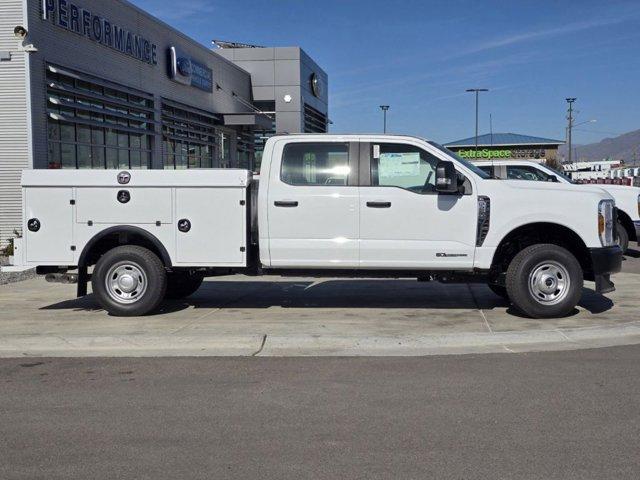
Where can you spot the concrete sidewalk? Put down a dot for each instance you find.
(282, 317)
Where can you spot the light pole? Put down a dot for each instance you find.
(566, 129)
(477, 91)
(384, 109)
(570, 125)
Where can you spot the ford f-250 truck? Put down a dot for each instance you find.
(326, 205)
(627, 198)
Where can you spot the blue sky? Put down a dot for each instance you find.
(420, 56)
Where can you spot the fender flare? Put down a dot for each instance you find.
(164, 255)
(524, 225)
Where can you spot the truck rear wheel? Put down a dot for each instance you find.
(545, 281)
(129, 281)
(182, 284)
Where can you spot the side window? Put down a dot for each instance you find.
(404, 166)
(525, 172)
(486, 169)
(313, 164)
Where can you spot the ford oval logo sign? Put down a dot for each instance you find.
(123, 178)
(184, 67)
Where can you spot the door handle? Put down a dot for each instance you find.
(379, 204)
(285, 203)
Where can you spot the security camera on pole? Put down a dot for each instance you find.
(21, 33)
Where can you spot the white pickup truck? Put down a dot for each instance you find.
(326, 205)
(627, 198)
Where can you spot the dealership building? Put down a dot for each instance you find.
(507, 146)
(103, 84)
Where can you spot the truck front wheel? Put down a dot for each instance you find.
(623, 237)
(545, 281)
(129, 281)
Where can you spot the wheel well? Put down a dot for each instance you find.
(542, 232)
(121, 235)
(626, 222)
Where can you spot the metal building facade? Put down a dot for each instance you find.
(14, 133)
(103, 84)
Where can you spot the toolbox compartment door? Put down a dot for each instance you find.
(144, 205)
(217, 234)
(52, 208)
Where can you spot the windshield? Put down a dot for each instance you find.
(464, 162)
(561, 174)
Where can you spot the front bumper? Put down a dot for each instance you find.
(604, 262)
(636, 224)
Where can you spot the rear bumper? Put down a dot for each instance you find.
(605, 261)
(636, 224)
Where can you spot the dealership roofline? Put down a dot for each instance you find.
(197, 44)
(502, 140)
(500, 144)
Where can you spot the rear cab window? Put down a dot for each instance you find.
(316, 164)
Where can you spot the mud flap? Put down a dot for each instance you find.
(604, 284)
(83, 279)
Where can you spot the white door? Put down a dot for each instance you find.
(216, 233)
(313, 205)
(48, 225)
(404, 222)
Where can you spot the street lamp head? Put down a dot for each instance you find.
(384, 107)
(477, 90)
(571, 99)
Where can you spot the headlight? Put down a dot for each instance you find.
(605, 222)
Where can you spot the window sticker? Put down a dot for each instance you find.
(399, 164)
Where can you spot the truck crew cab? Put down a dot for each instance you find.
(627, 198)
(325, 205)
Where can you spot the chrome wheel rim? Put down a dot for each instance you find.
(126, 282)
(549, 283)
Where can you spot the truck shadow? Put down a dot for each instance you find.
(632, 253)
(328, 294)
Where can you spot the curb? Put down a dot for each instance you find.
(12, 346)
(9, 274)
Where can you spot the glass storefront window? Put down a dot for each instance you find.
(112, 158)
(84, 156)
(190, 139)
(68, 155)
(80, 137)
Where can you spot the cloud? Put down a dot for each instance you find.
(169, 11)
(456, 75)
(546, 33)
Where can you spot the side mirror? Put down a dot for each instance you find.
(553, 179)
(446, 177)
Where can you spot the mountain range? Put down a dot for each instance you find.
(623, 147)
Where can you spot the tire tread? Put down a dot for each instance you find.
(518, 290)
(156, 278)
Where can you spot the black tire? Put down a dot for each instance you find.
(145, 277)
(499, 290)
(182, 284)
(623, 237)
(559, 286)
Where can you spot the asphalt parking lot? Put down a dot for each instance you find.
(547, 415)
(300, 316)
